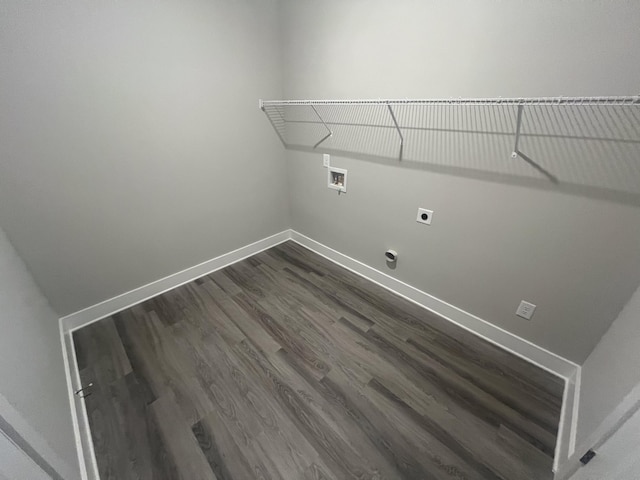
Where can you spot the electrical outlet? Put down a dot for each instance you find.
(525, 310)
(326, 159)
(424, 216)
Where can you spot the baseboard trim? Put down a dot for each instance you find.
(567, 428)
(518, 346)
(82, 430)
(121, 302)
(535, 354)
(549, 361)
(574, 414)
(79, 418)
(74, 417)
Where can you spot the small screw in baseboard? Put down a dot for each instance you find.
(587, 457)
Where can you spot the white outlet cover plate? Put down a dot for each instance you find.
(525, 310)
(326, 160)
(424, 211)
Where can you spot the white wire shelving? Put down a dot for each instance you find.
(398, 115)
(611, 100)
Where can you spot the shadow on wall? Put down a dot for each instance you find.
(590, 150)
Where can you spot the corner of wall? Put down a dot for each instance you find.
(607, 389)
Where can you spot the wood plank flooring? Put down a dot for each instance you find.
(286, 366)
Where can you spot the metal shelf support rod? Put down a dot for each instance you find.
(395, 122)
(325, 126)
(516, 151)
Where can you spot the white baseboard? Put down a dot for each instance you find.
(79, 418)
(577, 385)
(523, 348)
(539, 356)
(565, 444)
(128, 299)
(69, 323)
(70, 389)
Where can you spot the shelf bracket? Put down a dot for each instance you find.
(325, 126)
(516, 152)
(395, 122)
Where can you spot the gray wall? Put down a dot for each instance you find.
(611, 372)
(501, 232)
(618, 458)
(131, 142)
(32, 379)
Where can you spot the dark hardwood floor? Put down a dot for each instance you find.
(286, 366)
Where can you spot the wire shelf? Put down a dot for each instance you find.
(612, 100)
(575, 140)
